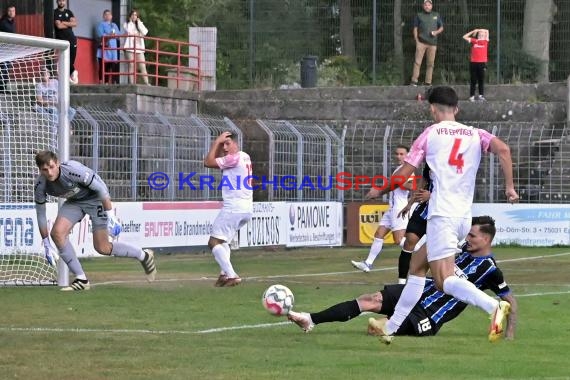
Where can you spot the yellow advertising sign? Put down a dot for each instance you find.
(369, 217)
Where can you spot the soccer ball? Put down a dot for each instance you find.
(278, 300)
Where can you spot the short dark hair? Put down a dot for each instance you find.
(44, 157)
(233, 136)
(444, 95)
(402, 146)
(486, 225)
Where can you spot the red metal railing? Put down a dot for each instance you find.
(180, 60)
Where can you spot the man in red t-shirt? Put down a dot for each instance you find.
(478, 63)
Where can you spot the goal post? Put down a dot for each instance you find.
(29, 66)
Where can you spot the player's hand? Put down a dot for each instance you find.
(223, 136)
(422, 196)
(114, 227)
(404, 212)
(51, 254)
(372, 194)
(512, 196)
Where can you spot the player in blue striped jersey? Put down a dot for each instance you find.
(435, 308)
(417, 224)
(84, 193)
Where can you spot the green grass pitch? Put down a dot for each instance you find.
(181, 327)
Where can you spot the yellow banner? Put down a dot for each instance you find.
(369, 217)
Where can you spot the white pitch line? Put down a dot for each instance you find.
(308, 274)
(183, 332)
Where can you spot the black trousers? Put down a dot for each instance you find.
(477, 73)
(110, 69)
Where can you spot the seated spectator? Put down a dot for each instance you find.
(47, 97)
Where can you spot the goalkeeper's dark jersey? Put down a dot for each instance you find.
(481, 271)
(76, 182)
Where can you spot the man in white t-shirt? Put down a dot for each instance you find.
(237, 196)
(390, 220)
(453, 152)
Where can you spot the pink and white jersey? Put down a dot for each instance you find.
(236, 193)
(453, 152)
(399, 197)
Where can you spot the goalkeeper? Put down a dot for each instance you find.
(85, 193)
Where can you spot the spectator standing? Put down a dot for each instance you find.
(7, 25)
(478, 61)
(64, 21)
(108, 28)
(134, 46)
(427, 26)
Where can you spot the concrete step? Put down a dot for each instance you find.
(357, 109)
(526, 92)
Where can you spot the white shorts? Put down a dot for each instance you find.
(227, 224)
(443, 235)
(390, 219)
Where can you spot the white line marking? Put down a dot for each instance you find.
(306, 274)
(182, 332)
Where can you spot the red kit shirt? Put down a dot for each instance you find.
(478, 50)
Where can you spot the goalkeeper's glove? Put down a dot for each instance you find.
(50, 252)
(114, 226)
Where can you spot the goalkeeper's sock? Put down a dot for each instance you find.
(127, 250)
(67, 254)
(341, 312)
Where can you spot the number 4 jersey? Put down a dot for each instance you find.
(453, 152)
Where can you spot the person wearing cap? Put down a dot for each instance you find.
(427, 26)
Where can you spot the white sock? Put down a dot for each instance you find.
(375, 250)
(223, 259)
(420, 243)
(67, 253)
(467, 292)
(410, 296)
(402, 281)
(127, 250)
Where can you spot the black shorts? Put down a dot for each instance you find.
(417, 225)
(417, 323)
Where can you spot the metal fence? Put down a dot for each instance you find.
(298, 160)
(262, 42)
(127, 148)
(541, 157)
(303, 157)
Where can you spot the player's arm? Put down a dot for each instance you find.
(502, 150)
(216, 151)
(40, 198)
(439, 29)
(60, 24)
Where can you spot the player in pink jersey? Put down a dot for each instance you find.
(237, 194)
(453, 152)
(390, 222)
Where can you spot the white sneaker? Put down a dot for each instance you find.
(472, 99)
(377, 327)
(148, 265)
(74, 79)
(361, 265)
(303, 320)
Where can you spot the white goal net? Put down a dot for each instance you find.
(31, 103)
